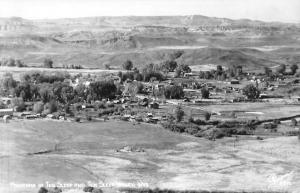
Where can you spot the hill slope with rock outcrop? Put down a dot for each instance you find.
(96, 41)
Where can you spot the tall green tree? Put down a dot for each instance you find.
(179, 113)
(251, 91)
(294, 69)
(127, 65)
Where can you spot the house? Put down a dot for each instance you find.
(4, 112)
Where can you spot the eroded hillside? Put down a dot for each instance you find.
(94, 42)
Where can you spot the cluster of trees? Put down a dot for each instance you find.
(179, 113)
(251, 91)
(205, 93)
(148, 73)
(174, 92)
(127, 65)
(168, 65)
(181, 70)
(37, 86)
(281, 70)
(48, 63)
(11, 62)
(42, 77)
(233, 71)
(72, 66)
(157, 70)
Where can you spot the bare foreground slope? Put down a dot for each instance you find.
(42, 151)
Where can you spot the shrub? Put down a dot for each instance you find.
(148, 76)
(294, 69)
(192, 130)
(89, 118)
(103, 89)
(50, 107)
(170, 65)
(205, 93)
(179, 113)
(281, 69)
(232, 114)
(105, 118)
(67, 109)
(213, 134)
(18, 104)
(127, 65)
(207, 116)
(48, 63)
(78, 106)
(107, 66)
(110, 105)
(55, 190)
(108, 111)
(228, 124)
(191, 120)
(38, 107)
(97, 190)
(199, 122)
(88, 189)
(270, 126)
(43, 190)
(174, 92)
(180, 128)
(251, 91)
(100, 105)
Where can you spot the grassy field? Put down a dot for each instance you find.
(41, 151)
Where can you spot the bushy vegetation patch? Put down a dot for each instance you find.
(209, 130)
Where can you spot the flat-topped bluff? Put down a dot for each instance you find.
(192, 21)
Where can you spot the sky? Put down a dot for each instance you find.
(265, 10)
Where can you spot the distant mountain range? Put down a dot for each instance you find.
(196, 22)
(96, 41)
